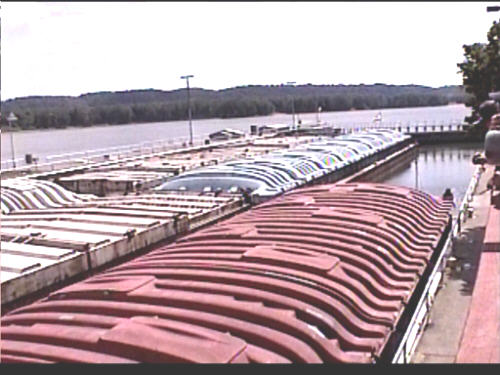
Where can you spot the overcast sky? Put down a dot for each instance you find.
(74, 48)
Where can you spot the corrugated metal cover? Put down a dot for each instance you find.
(43, 246)
(318, 275)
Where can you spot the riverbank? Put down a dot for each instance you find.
(390, 115)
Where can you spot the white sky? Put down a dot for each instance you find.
(74, 48)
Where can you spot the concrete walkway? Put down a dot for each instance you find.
(481, 338)
(440, 342)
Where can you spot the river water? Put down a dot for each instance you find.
(435, 168)
(41, 143)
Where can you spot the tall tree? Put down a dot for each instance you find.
(481, 69)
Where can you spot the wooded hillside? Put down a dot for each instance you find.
(140, 106)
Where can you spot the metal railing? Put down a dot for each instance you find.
(463, 211)
(408, 127)
(52, 162)
(416, 326)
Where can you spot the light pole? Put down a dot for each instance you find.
(11, 118)
(189, 109)
(293, 105)
(318, 113)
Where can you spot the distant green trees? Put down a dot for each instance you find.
(141, 106)
(481, 69)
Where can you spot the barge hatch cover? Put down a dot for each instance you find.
(321, 274)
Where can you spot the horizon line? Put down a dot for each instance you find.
(228, 88)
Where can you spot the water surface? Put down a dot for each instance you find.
(437, 167)
(41, 143)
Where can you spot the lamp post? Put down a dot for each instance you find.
(189, 109)
(318, 114)
(11, 118)
(293, 105)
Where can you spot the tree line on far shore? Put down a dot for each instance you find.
(142, 106)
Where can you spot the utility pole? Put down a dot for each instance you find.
(189, 109)
(11, 118)
(293, 105)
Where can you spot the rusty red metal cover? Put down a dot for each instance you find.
(321, 274)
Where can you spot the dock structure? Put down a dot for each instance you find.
(426, 132)
(45, 246)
